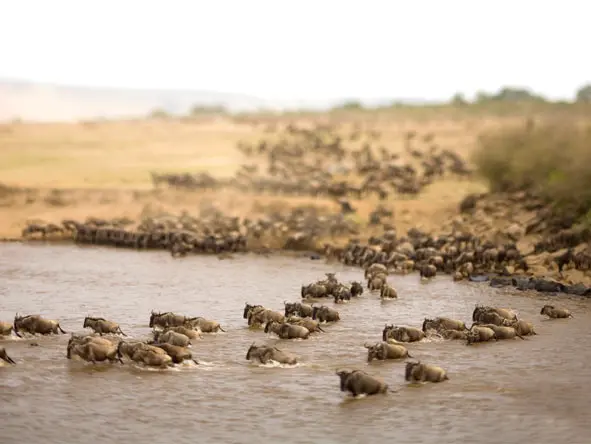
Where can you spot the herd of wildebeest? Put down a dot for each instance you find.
(174, 336)
(318, 162)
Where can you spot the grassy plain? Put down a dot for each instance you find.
(101, 168)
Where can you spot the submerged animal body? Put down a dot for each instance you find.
(167, 319)
(480, 334)
(205, 325)
(298, 309)
(325, 314)
(92, 349)
(383, 351)
(419, 372)
(178, 354)
(402, 334)
(442, 323)
(172, 337)
(287, 331)
(102, 326)
(265, 354)
(358, 382)
(144, 354)
(36, 324)
(555, 313)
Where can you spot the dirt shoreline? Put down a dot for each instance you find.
(406, 176)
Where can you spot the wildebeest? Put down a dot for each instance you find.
(314, 291)
(309, 323)
(483, 316)
(402, 334)
(480, 334)
(167, 319)
(502, 332)
(261, 317)
(453, 334)
(504, 313)
(205, 325)
(341, 294)
(287, 331)
(442, 323)
(555, 313)
(172, 337)
(325, 314)
(419, 372)
(191, 333)
(6, 328)
(524, 328)
(376, 282)
(144, 354)
(374, 269)
(265, 354)
(249, 309)
(356, 289)
(388, 292)
(92, 349)
(383, 351)
(358, 382)
(102, 326)
(178, 354)
(4, 356)
(35, 324)
(297, 308)
(427, 271)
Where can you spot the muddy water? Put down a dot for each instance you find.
(511, 391)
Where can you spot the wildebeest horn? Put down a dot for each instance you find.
(366, 346)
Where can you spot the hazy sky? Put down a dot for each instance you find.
(301, 49)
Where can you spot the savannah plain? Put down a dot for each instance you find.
(55, 171)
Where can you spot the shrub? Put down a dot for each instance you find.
(551, 159)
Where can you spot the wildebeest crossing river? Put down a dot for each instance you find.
(506, 391)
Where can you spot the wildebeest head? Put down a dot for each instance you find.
(409, 369)
(427, 323)
(356, 289)
(545, 308)
(344, 375)
(247, 309)
(153, 317)
(386, 331)
(251, 349)
(373, 351)
(290, 308)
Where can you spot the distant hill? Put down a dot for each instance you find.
(45, 102)
(28, 100)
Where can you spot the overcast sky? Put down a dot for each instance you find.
(304, 49)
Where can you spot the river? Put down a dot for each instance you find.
(509, 391)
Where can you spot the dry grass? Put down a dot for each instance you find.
(105, 164)
(551, 158)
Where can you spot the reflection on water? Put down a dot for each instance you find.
(511, 391)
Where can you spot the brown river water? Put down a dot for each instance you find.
(504, 392)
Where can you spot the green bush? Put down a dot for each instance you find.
(551, 159)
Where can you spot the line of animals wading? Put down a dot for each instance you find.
(301, 319)
(174, 333)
